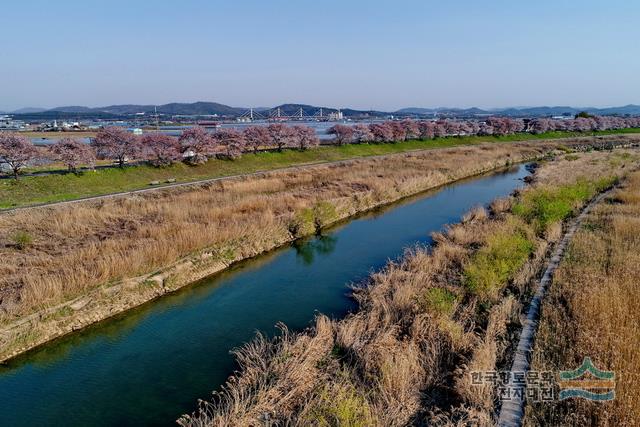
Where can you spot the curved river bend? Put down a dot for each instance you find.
(150, 365)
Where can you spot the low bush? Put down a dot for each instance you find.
(22, 239)
(494, 265)
(544, 206)
(439, 301)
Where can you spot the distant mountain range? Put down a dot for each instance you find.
(523, 111)
(214, 108)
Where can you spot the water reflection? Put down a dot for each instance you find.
(322, 245)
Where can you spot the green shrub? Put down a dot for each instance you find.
(544, 206)
(22, 239)
(491, 268)
(439, 301)
(324, 213)
(344, 408)
(302, 223)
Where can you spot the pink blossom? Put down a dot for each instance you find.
(16, 151)
(73, 152)
(116, 143)
(160, 149)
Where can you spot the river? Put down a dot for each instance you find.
(150, 365)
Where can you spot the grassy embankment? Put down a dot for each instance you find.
(67, 266)
(593, 310)
(54, 188)
(424, 324)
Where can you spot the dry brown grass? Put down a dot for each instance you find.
(406, 355)
(593, 310)
(76, 248)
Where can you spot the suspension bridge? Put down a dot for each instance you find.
(278, 114)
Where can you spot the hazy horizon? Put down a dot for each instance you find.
(362, 55)
(326, 105)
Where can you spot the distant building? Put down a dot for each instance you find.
(7, 123)
(336, 116)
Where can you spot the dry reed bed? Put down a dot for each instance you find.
(77, 247)
(90, 260)
(406, 355)
(593, 310)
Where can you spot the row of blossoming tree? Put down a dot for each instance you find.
(196, 145)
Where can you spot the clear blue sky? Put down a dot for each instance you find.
(364, 54)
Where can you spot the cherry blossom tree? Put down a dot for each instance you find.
(381, 132)
(116, 143)
(362, 133)
(540, 125)
(73, 153)
(410, 128)
(452, 128)
(197, 144)
(160, 149)
(427, 129)
(343, 133)
(231, 142)
(485, 129)
(281, 135)
(16, 151)
(440, 129)
(474, 127)
(256, 137)
(397, 131)
(305, 137)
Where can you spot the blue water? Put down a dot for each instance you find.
(150, 365)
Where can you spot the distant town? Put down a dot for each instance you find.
(211, 115)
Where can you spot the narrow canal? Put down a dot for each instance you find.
(150, 365)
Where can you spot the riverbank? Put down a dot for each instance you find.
(592, 311)
(36, 190)
(66, 267)
(425, 324)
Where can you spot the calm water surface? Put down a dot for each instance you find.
(149, 366)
